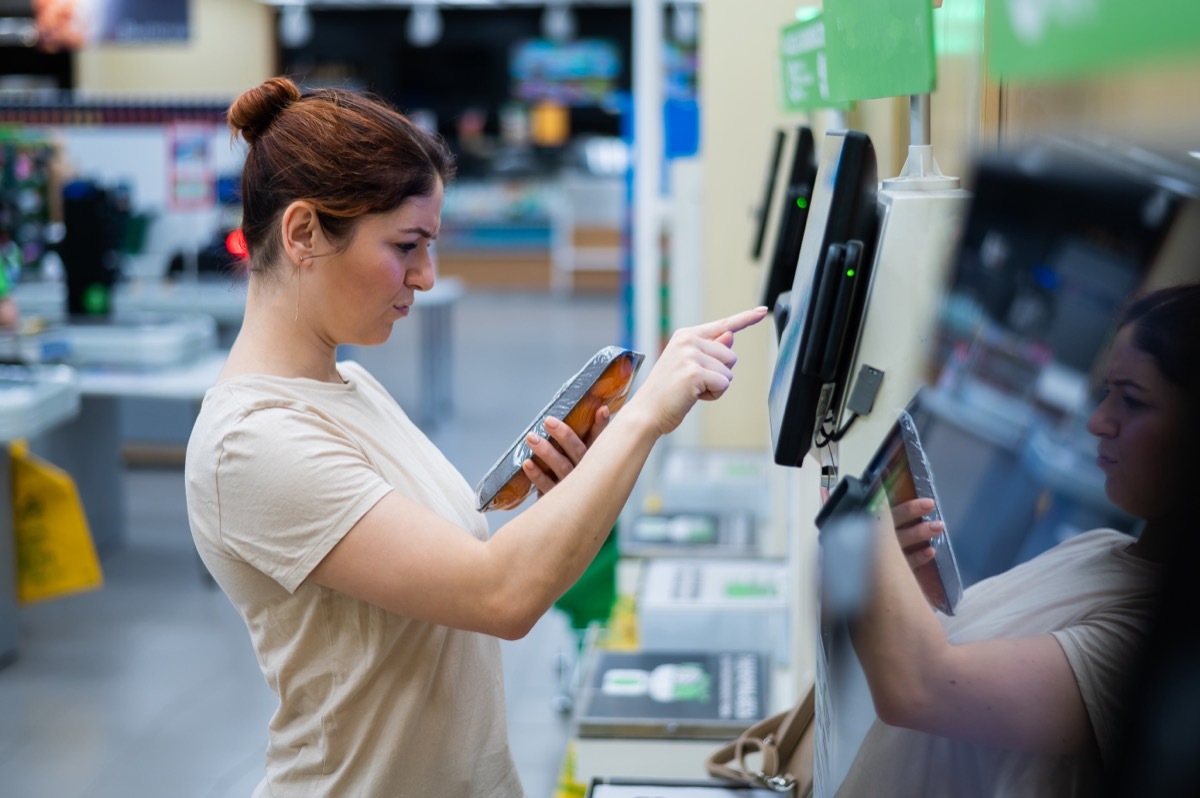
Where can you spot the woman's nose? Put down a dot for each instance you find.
(422, 277)
(1101, 423)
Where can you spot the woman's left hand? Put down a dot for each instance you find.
(559, 460)
(914, 532)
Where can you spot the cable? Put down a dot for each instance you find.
(829, 473)
(837, 436)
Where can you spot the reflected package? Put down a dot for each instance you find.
(604, 381)
(902, 470)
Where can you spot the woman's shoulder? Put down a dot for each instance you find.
(247, 403)
(1107, 547)
(1101, 539)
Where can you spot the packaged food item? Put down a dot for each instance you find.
(901, 468)
(604, 381)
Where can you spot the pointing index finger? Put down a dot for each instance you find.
(738, 321)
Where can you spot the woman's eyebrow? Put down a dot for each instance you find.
(1125, 382)
(420, 231)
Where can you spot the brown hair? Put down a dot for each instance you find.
(1166, 326)
(347, 153)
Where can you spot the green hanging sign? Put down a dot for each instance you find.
(802, 56)
(1060, 38)
(879, 48)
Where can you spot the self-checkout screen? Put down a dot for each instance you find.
(793, 218)
(842, 209)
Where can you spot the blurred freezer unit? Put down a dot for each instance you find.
(730, 486)
(140, 341)
(50, 345)
(35, 398)
(715, 480)
(694, 694)
(690, 534)
(719, 605)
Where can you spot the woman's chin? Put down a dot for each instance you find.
(375, 337)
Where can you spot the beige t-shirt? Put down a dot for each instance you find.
(370, 703)
(1096, 599)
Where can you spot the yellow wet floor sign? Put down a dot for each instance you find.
(55, 552)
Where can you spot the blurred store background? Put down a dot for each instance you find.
(623, 169)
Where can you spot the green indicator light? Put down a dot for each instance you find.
(850, 272)
(801, 202)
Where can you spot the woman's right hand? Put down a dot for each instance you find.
(696, 365)
(914, 532)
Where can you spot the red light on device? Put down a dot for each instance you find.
(235, 243)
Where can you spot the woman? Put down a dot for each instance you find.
(371, 590)
(1019, 693)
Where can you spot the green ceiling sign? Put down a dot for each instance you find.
(805, 74)
(879, 48)
(1058, 38)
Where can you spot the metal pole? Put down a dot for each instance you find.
(648, 166)
(918, 123)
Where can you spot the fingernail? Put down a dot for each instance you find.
(532, 438)
(937, 526)
(927, 503)
(552, 422)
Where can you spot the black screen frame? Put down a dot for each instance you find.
(844, 204)
(793, 217)
(762, 213)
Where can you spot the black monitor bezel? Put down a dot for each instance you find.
(796, 398)
(762, 213)
(793, 217)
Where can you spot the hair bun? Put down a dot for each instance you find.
(252, 113)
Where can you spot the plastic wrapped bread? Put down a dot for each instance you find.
(901, 468)
(604, 381)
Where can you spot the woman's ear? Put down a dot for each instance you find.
(300, 229)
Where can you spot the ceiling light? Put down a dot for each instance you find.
(295, 25)
(424, 24)
(683, 23)
(558, 22)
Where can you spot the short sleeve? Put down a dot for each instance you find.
(1101, 650)
(290, 484)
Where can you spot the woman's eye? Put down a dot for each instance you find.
(1131, 403)
(406, 248)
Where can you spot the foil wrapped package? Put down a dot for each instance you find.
(900, 467)
(604, 381)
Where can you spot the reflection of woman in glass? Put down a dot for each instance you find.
(1019, 693)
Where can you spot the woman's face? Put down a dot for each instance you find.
(1143, 425)
(372, 283)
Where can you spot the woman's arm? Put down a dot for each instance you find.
(1017, 693)
(407, 559)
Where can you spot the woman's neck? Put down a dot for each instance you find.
(277, 338)
(1156, 540)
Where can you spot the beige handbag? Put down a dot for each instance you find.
(776, 752)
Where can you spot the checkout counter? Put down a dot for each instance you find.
(224, 301)
(142, 357)
(33, 401)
